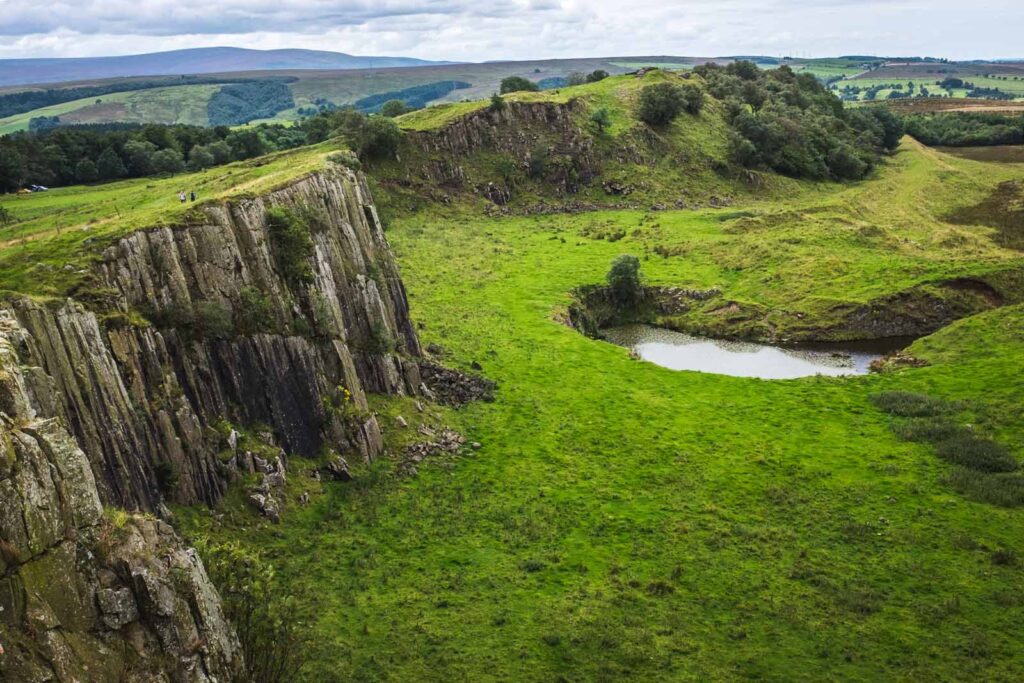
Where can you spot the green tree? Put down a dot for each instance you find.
(517, 84)
(221, 152)
(378, 139)
(660, 104)
(497, 103)
(139, 155)
(109, 165)
(168, 161)
(12, 169)
(393, 108)
(246, 144)
(597, 75)
(624, 280)
(200, 157)
(601, 118)
(85, 171)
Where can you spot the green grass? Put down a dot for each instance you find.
(627, 522)
(174, 104)
(55, 234)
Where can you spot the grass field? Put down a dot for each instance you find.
(55, 234)
(626, 522)
(176, 104)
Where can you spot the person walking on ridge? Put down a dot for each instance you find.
(181, 196)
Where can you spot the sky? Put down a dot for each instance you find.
(468, 30)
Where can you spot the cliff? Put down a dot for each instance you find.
(231, 338)
(277, 313)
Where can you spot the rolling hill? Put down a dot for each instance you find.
(190, 61)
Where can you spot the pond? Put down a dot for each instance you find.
(678, 351)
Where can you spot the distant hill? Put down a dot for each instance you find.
(192, 61)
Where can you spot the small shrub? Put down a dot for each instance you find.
(345, 158)
(6, 217)
(532, 566)
(292, 245)
(1004, 557)
(212, 320)
(624, 280)
(909, 404)
(497, 103)
(929, 430)
(166, 477)
(597, 75)
(977, 454)
(601, 118)
(693, 99)
(254, 312)
(378, 138)
(540, 158)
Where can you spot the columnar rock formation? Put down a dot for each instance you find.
(102, 408)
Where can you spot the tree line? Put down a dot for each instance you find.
(84, 154)
(965, 129)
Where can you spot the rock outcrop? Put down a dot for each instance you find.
(83, 597)
(123, 404)
(233, 339)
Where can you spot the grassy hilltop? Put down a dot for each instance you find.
(621, 521)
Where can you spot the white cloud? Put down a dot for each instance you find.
(517, 29)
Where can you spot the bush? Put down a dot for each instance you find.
(254, 313)
(597, 75)
(166, 477)
(540, 158)
(660, 104)
(575, 78)
(200, 157)
(693, 99)
(601, 118)
(292, 245)
(977, 454)
(929, 430)
(262, 614)
(909, 404)
(212, 320)
(517, 84)
(1004, 490)
(497, 103)
(624, 280)
(378, 139)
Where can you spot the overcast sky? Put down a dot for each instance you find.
(468, 30)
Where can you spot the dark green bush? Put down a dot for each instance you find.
(909, 404)
(660, 104)
(292, 245)
(212, 320)
(166, 477)
(929, 430)
(1004, 490)
(517, 84)
(977, 453)
(254, 312)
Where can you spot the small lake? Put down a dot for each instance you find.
(678, 351)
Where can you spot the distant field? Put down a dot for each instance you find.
(1002, 154)
(1007, 77)
(175, 104)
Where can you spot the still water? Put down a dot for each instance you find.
(678, 351)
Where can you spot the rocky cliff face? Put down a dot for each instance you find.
(517, 132)
(84, 598)
(234, 339)
(116, 405)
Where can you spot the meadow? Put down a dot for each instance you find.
(626, 522)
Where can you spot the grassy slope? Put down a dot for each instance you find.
(68, 226)
(177, 104)
(623, 521)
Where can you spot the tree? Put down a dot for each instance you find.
(221, 152)
(624, 280)
(660, 104)
(497, 103)
(12, 170)
(693, 99)
(576, 78)
(393, 108)
(517, 84)
(597, 75)
(85, 171)
(246, 144)
(200, 157)
(378, 139)
(601, 118)
(139, 155)
(168, 161)
(109, 165)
